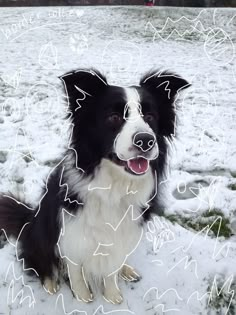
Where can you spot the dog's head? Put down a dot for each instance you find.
(124, 125)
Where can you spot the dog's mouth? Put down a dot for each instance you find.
(136, 166)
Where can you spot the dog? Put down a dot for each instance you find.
(105, 187)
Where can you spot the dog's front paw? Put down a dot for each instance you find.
(113, 296)
(83, 294)
(51, 286)
(129, 274)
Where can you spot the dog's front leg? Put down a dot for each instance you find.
(78, 283)
(51, 285)
(112, 292)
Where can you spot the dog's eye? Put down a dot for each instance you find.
(115, 119)
(149, 117)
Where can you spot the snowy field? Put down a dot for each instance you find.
(187, 257)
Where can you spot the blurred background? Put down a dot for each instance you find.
(181, 3)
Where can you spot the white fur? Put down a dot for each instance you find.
(134, 124)
(100, 220)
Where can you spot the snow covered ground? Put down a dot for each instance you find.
(187, 258)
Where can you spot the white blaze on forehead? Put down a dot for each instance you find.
(134, 123)
(133, 108)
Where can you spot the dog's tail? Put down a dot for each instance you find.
(13, 215)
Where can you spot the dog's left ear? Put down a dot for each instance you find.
(164, 82)
(164, 86)
(83, 85)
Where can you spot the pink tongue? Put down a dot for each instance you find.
(139, 165)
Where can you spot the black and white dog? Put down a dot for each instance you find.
(90, 216)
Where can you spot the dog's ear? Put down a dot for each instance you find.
(83, 85)
(164, 82)
(164, 86)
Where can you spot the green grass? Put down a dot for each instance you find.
(225, 300)
(198, 223)
(232, 186)
(233, 174)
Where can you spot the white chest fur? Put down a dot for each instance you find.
(106, 230)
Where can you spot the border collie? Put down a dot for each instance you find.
(90, 216)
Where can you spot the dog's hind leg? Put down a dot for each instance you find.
(79, 286)
(129, 274)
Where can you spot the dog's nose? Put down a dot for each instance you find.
(144, 141)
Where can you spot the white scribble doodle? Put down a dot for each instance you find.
(98, 310)
(48, 56)
(158, 297)
(101, 249)
(225, 287)
(188, 262)
(14, 79)
(116, 51)
(159, 233)
(99, 188)
(214, 292)
(13, 295)
(64, 214)
(190, 26)
(130, 191)
(223, 250)
(45, 103)
(78, 43)
(218, 46)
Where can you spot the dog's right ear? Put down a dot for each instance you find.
(82, 85)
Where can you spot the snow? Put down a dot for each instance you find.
(181, 269)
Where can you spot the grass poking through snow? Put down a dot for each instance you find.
(216, 221)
